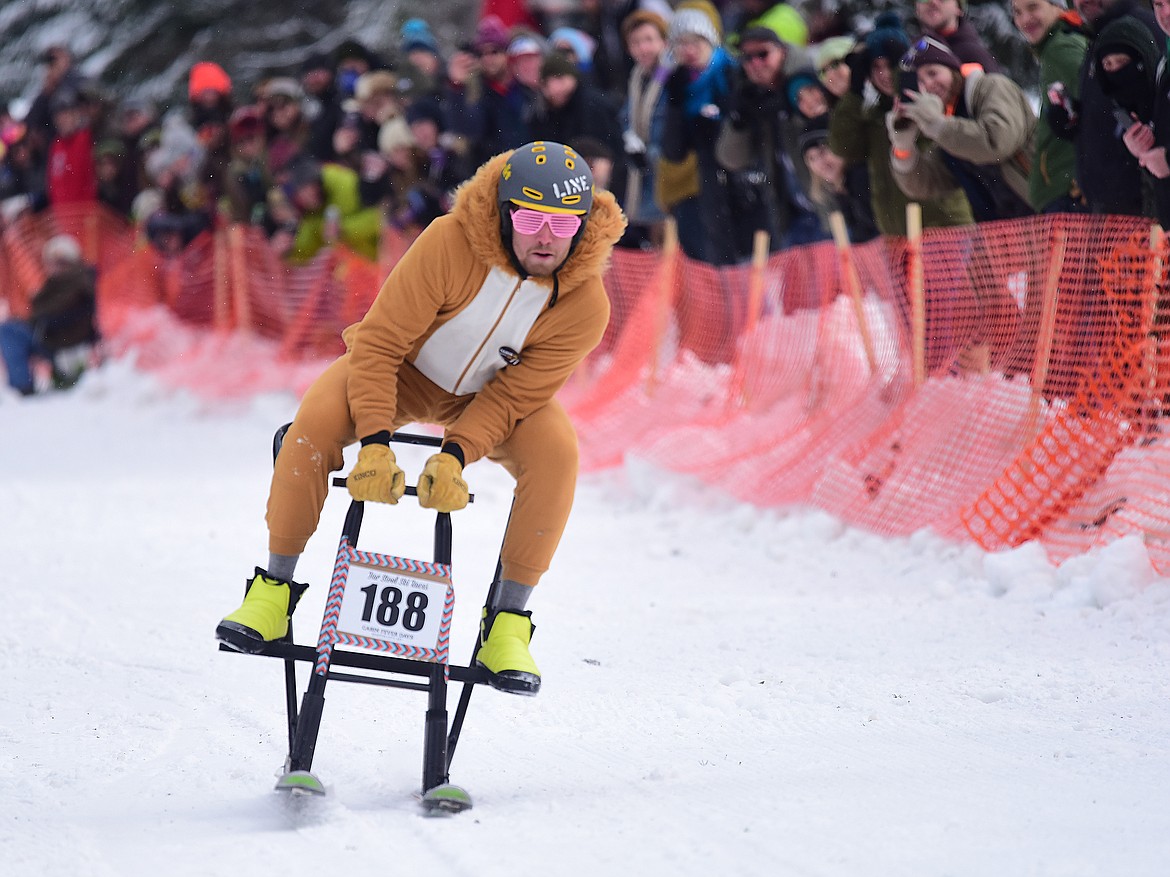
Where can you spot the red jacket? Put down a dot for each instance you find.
(71, 177)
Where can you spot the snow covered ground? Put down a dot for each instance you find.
(726, 690)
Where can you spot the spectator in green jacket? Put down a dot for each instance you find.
(1060, 48)
(324, 207)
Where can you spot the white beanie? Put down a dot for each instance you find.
(393, 134)
(693, 21)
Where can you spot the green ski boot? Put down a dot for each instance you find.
(503, 652)
(264, 615)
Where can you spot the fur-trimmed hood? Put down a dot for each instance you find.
(477, 210)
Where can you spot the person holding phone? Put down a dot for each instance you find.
(977, 132)
(858, 131)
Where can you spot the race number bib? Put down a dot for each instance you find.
(395, 605)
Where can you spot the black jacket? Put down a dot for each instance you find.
(1109, 176)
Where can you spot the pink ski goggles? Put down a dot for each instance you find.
(563, 225)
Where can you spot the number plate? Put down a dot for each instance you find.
(393, 604)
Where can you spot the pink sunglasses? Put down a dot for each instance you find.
(563, 225)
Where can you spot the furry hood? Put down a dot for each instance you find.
(478, 213)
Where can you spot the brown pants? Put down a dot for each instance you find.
(541, 454)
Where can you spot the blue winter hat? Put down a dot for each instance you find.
(581, 44)
(888, 39)
(416, 34)
(799, 80)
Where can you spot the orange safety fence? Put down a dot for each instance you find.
(999, 383)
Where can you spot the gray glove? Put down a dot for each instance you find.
(902, 131)
(927, 111)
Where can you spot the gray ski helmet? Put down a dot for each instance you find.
(547, 176)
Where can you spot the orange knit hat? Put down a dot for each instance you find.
(208, 76)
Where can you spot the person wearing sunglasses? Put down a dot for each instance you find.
(763, 131)
(476, 329)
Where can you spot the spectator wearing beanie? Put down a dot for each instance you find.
(490, 108)
(288, 129)
(1148, 145)
(421, 74)
(783, 19)
(473, 68)
(322, 104)
(61, 313)
(698, 96)
(1060, 47)
(857, 131)
(835, 188)
(353, 60)
(977, 131)
(308, 192)
(829, 58)
(1125, 61)
(247, 180)
(571, 108)
(807, 97)
(401, 169)
(1109, 176)
(578, 45)
(947, 22)
(209, 91)
(209, 104)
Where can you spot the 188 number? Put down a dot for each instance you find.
(388, 609)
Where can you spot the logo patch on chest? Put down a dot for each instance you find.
(510, 356)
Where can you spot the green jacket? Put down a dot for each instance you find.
(361, 226)
(857, 133)
(1054, 162)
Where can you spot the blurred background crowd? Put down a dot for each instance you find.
(731, 117)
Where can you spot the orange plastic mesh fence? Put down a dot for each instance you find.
(1001, 382)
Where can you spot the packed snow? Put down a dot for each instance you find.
(726, 689)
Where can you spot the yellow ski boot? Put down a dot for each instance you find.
(503, 652)
(264, 615)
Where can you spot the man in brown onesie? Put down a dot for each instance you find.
(476, 328)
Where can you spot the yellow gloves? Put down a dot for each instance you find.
(376, 476)
(441, 486)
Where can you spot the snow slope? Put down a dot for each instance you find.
(726, 689)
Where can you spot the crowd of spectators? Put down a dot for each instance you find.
(730, 117)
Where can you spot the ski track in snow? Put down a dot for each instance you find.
(724, 688)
